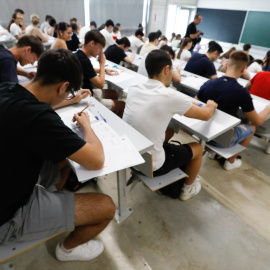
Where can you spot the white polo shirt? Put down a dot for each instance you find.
(108, 37)
(135, 43)
(149, 109)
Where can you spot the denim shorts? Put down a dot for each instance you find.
(241, 132)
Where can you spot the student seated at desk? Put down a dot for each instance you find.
(149, 109)
(94, 42)
(184, 53)
(33, 30)
(152, 45)
(34, 134)
(259, 85)
(26, 51)
(176, 75)
(116, 53)
(255, 66)
(106, 32)
(64, 33)
(136, 41)
(202, 64)
(230, 95)
(74, 43)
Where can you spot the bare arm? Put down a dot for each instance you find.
(176, 75)
(257, 119)
(202, 113)
(129, 59)
(30, 75)
(192, 36)
(99, 80)
(91, 155)
(248, 86)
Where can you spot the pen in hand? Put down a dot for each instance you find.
(80, 113)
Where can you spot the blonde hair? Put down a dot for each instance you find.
(184, 43)
(35, 19)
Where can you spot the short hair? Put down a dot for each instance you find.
(123, 41)
(109, 23)
(159, 33)
(74, 26)
(59, 65)
(118, 24)
(35, 19)
(32, 41)
(214, 46)
(197, 16)
(139, 32)
(96, 36)
(246, 47)
(73, 20)
(152, 36)
(18, 10)
(155, 61)
(178, 35)
(47, 17)
(238, 59)
(93, 23)
(169, 50)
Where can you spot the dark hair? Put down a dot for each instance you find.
(184, 43)
(198, 40)
(115, 28)
(62, 26)
(169, 50)
(173, 34)
(214, 46)
(93, 23)
(155, 61)
(246, 47)
(96, 36)
(101, 27)
(123, 41)
(52, 22)
(59, 65)
(48, 17)
(152, 36)
(74, 26)
(118, 24)
(140, 25)
(73, 20)
(178, 35)
(18, 10)
(259, 61)
(109, 23)
(32, 41)
(267, 60)
(239, 59)
(159, 33)
(227, 54)
(139, 32)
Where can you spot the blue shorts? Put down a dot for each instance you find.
(241, 132)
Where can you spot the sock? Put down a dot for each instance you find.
(64, 249)
(187, 186)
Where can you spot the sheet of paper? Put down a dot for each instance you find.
(186, 120)
(194, 82)
(119, 152)
(123, 76)
(259, 105)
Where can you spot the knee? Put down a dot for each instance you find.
(108, 206)
(197, 150)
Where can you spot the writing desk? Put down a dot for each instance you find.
(137, 60)
(141, 143)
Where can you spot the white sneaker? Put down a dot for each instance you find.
(84, 252)
(187, 193)
(230, 166)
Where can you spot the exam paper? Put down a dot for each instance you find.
(123, 76)
(194, 82)
(119, 152)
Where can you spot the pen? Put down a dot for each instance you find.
(80, 113)
(102, 117)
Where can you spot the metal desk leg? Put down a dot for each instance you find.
(123, 211)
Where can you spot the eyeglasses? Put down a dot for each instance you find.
(72, 94)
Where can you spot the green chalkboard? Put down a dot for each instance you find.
(256, 30)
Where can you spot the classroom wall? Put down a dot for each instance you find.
(259, 5)
(158, 13)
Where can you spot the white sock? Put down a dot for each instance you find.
(188, 186)
(64, 249)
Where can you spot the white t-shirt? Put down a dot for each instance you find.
(15, 29)
(147, 48)
(135, 43)
(149, 109)
(108, 37)
(83, 31)
(185, 54)
(254, 68)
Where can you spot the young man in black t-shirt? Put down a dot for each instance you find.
(94, 43)
(34, 133)
(202, 64)
(230, 95)
(26, 51)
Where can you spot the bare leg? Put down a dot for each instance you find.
(118, 107)
(192, 169)
(245, 143)
(110, 94)
(93, 212)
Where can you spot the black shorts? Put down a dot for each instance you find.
(176, 156)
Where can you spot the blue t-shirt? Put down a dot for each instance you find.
(266, 68)
(8, 66)
(201, 65)
(228, 94)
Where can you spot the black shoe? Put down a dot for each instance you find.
(72, 183)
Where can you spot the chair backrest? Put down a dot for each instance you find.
(147, 167)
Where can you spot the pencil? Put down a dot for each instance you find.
(80, 113)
